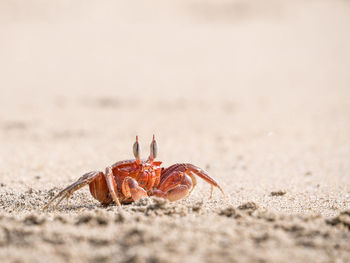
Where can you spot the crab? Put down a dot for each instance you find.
(130, 180)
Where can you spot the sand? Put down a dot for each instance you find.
(255, 93)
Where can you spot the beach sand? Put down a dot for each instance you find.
(257, 93)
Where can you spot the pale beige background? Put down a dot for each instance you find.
(256, 92)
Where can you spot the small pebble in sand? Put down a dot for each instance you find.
(34, 220)
(342, 219)
(230, 211)
(278, 193)
(248, 206)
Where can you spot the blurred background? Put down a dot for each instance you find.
(257, 92)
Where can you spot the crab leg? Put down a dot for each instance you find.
(68, 191)
(202, 174)
(112, 187)
(194, 182)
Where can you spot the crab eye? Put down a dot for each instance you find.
(154, 148)
(136, 149)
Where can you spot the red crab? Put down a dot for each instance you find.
(130, 180)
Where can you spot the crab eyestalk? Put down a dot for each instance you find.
(153, 150)
(136, 149)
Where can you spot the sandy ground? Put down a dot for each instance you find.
(255, 92)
